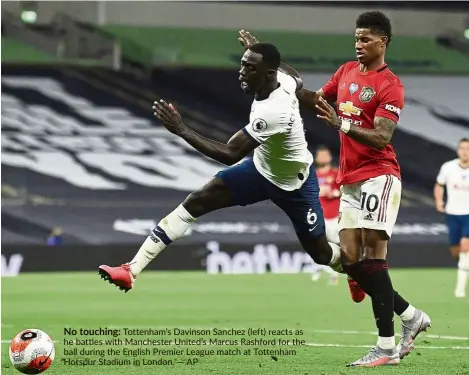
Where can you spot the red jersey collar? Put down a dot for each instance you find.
(374, 71)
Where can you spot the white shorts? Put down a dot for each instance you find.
(332, 230)
(371, 204)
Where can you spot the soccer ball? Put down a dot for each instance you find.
(32, 351)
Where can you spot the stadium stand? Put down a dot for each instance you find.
(83, 137)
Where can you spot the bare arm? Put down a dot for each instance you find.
(308, 98)
(378, 138)
(438, 192)
(238, 147)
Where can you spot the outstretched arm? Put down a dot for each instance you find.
(238, 147)
(308, 98)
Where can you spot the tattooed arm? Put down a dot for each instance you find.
(378, 138)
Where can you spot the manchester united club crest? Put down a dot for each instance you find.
(366, 94)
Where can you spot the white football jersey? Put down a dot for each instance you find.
(456, 180)
(282, 157)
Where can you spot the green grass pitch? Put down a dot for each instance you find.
(334, 329)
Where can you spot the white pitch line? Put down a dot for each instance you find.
(8, 341)
(316, 344)
(430, 336)
(326, 331)
(327, 345)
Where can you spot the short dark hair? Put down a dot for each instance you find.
(377, 22)
(463, 140)
(270, 54)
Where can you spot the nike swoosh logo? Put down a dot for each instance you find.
(313, 228)
(42, 363)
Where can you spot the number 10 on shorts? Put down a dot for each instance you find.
(369, 202)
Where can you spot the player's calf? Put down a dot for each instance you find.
(322, 252)
(350, 254)
(213, 196)
(168, 230)
(463, 269)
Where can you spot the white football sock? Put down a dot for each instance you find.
(408, 313)
(336, 263)
(386, 342)
(463, 273)
(168, 230)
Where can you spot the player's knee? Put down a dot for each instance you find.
(350, 246)
(213, 196)
(196, 203)
(322, 257)
(464, 248)
(375, 244)
(455, 250)
(317, 248)
(349, 253)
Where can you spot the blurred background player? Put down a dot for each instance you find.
(329, 196)
(369, 99)
(454, 175)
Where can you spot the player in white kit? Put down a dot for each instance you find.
(281, 169)
(454, 175)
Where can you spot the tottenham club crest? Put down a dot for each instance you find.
(366, 94)
(259, 125)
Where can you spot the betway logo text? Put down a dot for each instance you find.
(264, 258)
(12, 266)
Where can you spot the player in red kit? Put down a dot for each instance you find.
(369, 100)
(329, 196)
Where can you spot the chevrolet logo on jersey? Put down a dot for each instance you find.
(349, 109)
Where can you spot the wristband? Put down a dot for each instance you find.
(345, 127)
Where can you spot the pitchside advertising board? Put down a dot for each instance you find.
(212, 257)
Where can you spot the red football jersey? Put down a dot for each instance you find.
(330, 204)
(360, 98)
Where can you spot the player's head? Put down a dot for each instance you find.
(463, 150)
(259, 65)
(323, 156)
(372, 35)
